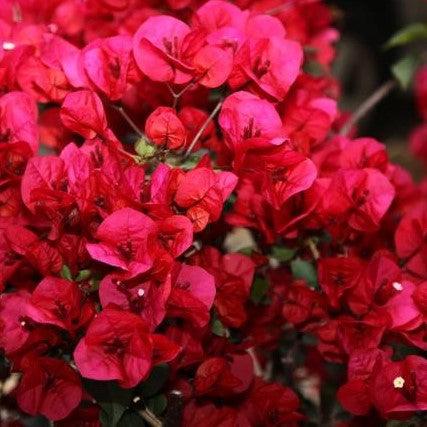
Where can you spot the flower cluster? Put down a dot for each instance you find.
(185, 236)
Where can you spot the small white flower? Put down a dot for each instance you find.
(398, 286)
(8, 45)
(398, 382)
(141, 292)
(23, 323)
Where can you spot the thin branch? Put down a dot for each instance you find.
(257, 366)
(131, 123)
(202, 129)
(125, 153)
(313, 248)
(150, 418)
(366, 106)
(176, 96)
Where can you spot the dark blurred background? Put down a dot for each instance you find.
(363, 65)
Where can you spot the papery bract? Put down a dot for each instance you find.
(123, 240)
(49, 387)
(157, 49)
(117, 346)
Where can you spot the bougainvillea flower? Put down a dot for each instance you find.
(13, 321)
(24, 247)
(123, 241)
(12, 246)
(364, 153)
(146, 298)
(360, 335)
(203, 202)
(376, 284)
(210, 415)
(283, 247)
(307, 120)
(217, 376)
(60, 302)
(44, 186)
(270, 65)
(157, 48)
(18, 119)
(191, 348)
(337, 275)
(374, 376)
(217, 14)
(287, 176)
(302, 303)
(192, 294)
(44, 83)
(49, 387)
(272, 404)
(365, 195)
(410, 241)
(164, 128)
(107, 62)
(401, 307)
(83, 113)
(117, 346)
(244, 116)
(174, 234)
(233, 279)
(212, 66)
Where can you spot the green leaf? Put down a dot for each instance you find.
(259, 290)
(112, 399)
(154, 383)
(83, 275)
(157, 404)
(304, 270)
(404, 70)
(219, 329)
(411, 33)
(66, 273)
(282, 253)
(131, 419)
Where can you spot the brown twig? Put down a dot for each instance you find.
(313, 248)
(176, 96)
(131, 123)
(150, 418)
(368, 105)
(202, 129)
(257, 366)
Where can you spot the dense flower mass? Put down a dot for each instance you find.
(186, 238)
